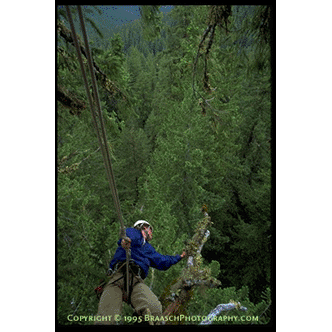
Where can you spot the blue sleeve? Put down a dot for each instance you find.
(134, 235)
(162, 262)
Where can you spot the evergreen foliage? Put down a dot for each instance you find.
(194, 129)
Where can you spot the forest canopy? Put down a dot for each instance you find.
(187, 103)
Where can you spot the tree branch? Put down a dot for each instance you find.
(219, 308)
(68, 99)
(107, 84)
(177, 295)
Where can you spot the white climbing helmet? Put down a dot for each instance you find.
(141, 223)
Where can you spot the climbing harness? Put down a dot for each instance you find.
(120, 267)
(98, 121)
(134, 271)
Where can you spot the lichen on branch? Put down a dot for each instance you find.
(179, 292)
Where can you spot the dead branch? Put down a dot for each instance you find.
(222, 307)
(177, 295)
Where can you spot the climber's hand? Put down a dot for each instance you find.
(125, 243)
(183, 254)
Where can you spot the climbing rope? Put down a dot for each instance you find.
(98, 120)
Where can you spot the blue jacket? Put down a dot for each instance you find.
(143, 254)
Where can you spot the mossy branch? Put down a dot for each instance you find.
(179, 292)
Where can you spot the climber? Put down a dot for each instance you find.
(143, 256)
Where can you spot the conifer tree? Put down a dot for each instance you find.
(195, 128)
(131, 159)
